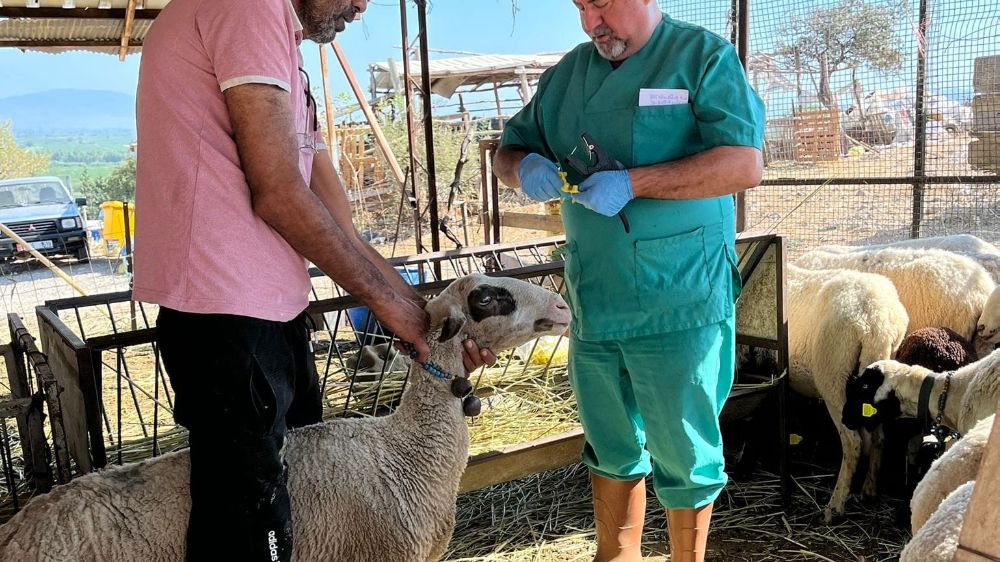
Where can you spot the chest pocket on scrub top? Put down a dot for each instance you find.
(662, 133)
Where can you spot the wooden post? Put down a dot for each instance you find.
(45, 261)
(496, 96)
(330, 137)
(978, 542)
(127, 32)
(380, 139)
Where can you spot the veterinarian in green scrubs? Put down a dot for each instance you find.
(652, 347)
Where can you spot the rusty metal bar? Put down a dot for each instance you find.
(411, 131)
(920, 141)
(425, 80)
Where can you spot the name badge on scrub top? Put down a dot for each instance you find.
(662, 96)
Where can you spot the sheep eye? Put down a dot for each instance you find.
(486, 299)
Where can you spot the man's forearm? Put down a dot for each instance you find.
(506, 162)
(715, 172)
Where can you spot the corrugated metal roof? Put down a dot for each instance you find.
(447, 75)
(120, 4)
(75, 32)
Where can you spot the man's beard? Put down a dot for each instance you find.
(320, 26)
(613, 48)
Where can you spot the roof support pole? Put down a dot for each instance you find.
(411, 127)
(425, 80)
(127, 33)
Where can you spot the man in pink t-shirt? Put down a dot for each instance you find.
(235, 191)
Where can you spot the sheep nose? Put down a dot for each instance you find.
(981, 328)
(560, 310)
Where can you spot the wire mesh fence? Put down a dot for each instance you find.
(125, 400)
(882, 116)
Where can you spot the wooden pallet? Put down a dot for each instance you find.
(359, 166)
(978, 541)
(984, 152)
(817, 136)
(986, 113)
(986, 76)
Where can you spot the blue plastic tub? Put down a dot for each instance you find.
(367, 329)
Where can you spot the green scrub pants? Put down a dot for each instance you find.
(652, 403)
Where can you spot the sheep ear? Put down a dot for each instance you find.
(450, 328)
(447, 313)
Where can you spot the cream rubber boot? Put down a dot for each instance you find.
(619, 512)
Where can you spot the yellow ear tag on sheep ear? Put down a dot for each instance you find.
(867, 410)
(794, 439)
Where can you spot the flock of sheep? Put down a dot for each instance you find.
(384, 488)
(861, 322)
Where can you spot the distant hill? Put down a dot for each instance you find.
(69, 110)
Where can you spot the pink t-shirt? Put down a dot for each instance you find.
(199, 247)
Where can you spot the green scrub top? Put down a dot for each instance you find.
(676, 269)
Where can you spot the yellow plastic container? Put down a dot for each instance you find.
(113, 223)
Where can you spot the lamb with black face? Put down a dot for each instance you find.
(864, 408)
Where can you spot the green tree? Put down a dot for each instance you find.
(848, 36)
(18, 162)
(119, 186)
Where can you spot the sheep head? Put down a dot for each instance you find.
(497, 312)
(869, 399)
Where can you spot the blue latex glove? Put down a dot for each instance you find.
(606, 192)
(540, 178)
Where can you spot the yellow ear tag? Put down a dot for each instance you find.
(867, 410)
(566, 186)
(794, 439)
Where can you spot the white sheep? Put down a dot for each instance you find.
(893, 389)
(938, 288)
(837, 320)
(988, 329)
(958, 465)
(361, 489)
(979, 250)
(937, 541)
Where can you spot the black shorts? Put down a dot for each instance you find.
(239, 383)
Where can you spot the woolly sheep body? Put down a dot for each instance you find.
(937, 541)
(938, 288)
(361, 489)
(979, 250)
(959, 464)
(836, 318)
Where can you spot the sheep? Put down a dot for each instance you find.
(958, 465)
(837, 320)
(938, 288)
(979, 250)
(938, 349)
(379, 488)
(937, 541)
(893, 389)
(988, 329)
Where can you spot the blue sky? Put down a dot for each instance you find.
(538, 26)
(962, 30)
